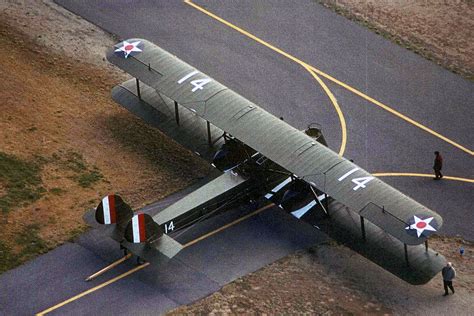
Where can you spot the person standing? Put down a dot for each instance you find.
(449, 274)
(438, 165)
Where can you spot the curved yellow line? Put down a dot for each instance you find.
(424, 175)
(336, 106)
(296, 60)
(325, 75)
(394, 112)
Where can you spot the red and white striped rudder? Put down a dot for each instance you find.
(142, 229)
(113, 210)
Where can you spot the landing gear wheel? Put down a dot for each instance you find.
(140, 261)
(125, 250)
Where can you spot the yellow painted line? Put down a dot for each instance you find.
(338, 110)
(192, 242)
(296, 60)
(109, 267)
(394, 112)
(424, 175)
(98, 287)
(325, 75)
(238, 29)
(147, 263)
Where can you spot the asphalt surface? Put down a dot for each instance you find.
(377, 140)
(195, 272)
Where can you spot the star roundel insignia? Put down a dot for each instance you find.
(421, 225)
(128, 48)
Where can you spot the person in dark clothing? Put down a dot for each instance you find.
(438, 164)
(449, 274)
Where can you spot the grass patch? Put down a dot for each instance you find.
(8, 260)
(31, 243)
(76, 232)
(57, 191)
(85, 176)
(21, 181)
(89, 178)
(75, 162)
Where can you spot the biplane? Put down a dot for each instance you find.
(260, 159)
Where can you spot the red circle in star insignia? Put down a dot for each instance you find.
(129, 47)
(421, 225)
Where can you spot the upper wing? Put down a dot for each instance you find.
(373, 199)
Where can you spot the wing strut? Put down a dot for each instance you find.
(176, 112)
(209, 138)
(317, 200)
(138, 89)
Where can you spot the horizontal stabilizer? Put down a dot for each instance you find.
(159, 252)
(167, 246)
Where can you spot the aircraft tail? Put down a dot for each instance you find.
(138, 232)
(113, 210)
(142, 229)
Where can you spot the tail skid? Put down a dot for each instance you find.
(109, 267)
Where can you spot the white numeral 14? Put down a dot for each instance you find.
(169, 227)
(361, 182)
(198, 84)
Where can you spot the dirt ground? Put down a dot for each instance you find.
(333, 280)
(439, 30)
(57, 114)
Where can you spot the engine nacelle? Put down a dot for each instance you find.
(231, 153)
(296, 195)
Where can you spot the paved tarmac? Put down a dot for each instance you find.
(195, 272)
(377, 140)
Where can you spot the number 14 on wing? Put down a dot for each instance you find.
(361, 182)
(198, 84)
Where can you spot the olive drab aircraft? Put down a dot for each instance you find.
(260, 159)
